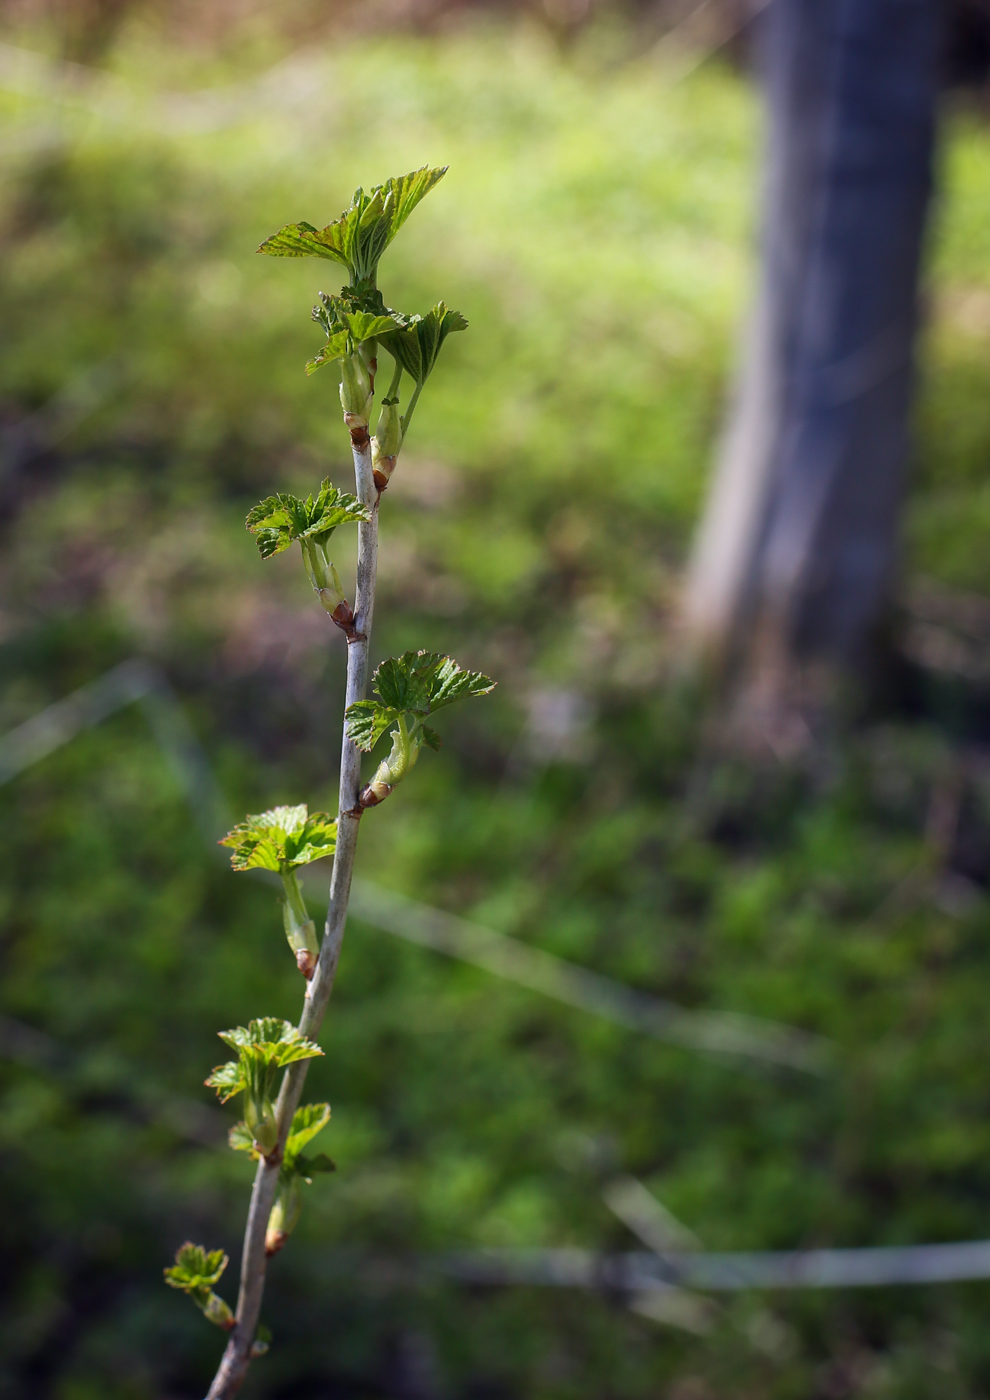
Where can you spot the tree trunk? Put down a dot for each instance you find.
(796, 548)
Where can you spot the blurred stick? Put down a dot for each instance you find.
(717, 1032)
(639, 1273)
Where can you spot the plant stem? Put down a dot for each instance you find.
(237, 1356)
(406, 418)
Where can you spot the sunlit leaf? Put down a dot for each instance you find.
(276, 1041)
(307, 1121)
(281, 839)
(228, 1079)
(196, 1268)
(280, 519)
(367, 721)
(417, 346)
(360, 235)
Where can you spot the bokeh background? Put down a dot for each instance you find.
(599, 229)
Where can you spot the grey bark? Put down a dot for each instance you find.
(799, 534)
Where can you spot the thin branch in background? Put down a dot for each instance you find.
(715, 1032)
(881, 1267)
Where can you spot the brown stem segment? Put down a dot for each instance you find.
(237, 1357)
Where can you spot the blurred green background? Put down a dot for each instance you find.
(597, 228)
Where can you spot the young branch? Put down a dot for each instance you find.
(237, 1356)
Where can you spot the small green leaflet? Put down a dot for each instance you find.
(367, 721)
(417, 345)
(268, 1043)
(360, 235)
(228, 1079)
(281, 839)
(417, 683)
(241, 1139)
(307, 1121)
(335, 349)
(278, 520)
(195, 1269)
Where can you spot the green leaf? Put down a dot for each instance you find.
(449, 683)
(274, 1040)
(417, 346)
(262, 1046)
(404, 192)
(195, 1268)
(416, 684)
(228, 1079)
(403, 682)
(359, 236)
(302, 240)
(280, 519)
(241, 1139)
(281, 839)
(308, 1167)
(307, 1121)
(422, 682)
(335, 349)
(367, 721)
(365, 326)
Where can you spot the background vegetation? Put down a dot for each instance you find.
(597, 229)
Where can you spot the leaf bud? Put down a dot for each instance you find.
(390, 772)
(386, 442)
(217, 1311)
(285, 1214)
(259, 1114)
(356, 391)
(300, 929)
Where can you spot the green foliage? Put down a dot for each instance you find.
(355, 317)
(195, 1272)
(263, 1048)
(281, 839)
(417, 684)
(359, 236)
(195, 1269)
(280, 519)
(417, 345)
(307, 1121)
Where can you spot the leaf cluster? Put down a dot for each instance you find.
(262, 1046)
(280, 519)
(356, 315)
(281, 839)
(360, 235)
(195, 1270)
(307, 1121)
(417, 684)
